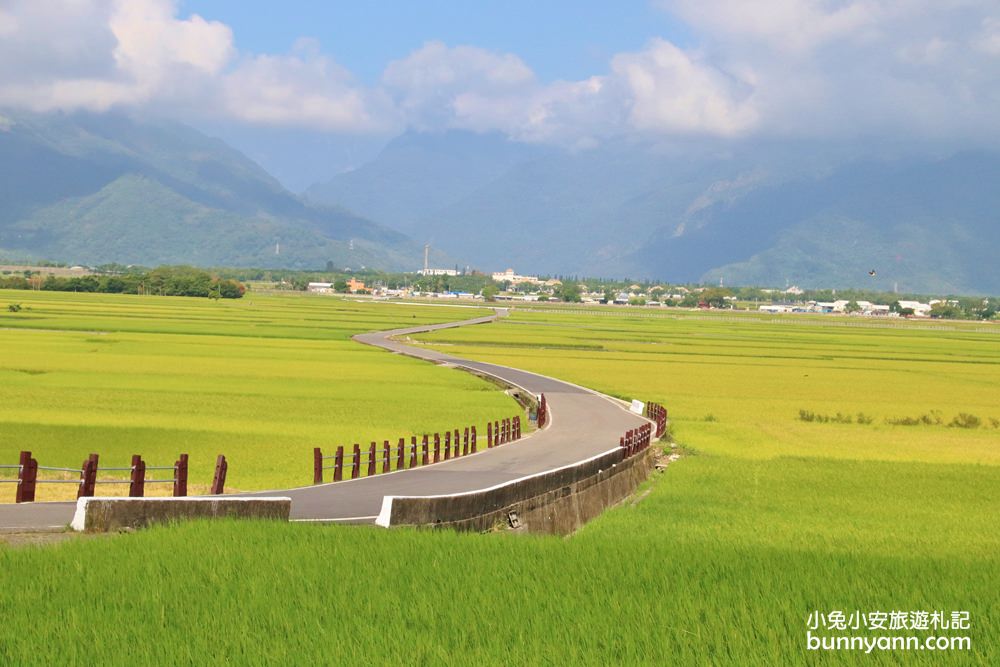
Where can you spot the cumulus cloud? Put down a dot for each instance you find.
(670, 91)
(104, 54)
(831, 68)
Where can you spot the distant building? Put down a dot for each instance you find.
(320, 288)
(355, 285)
(919, 309)
(438, 272)
(509, 276)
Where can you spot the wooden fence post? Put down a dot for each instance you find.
(386, 455)
(455, 439)
(88, 477)
(447, 445)
(401, 454)
(356, 462)
(136, 487)
(496, 432)
(465, 442)
(219, 478)
(489, 435)
(437, 448)
(181, 476)
(27, 475)
(425, 451)
(317, 465)
(473, 443)
(413, 451)
(371, 459)
(338, 464)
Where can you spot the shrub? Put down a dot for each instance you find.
(14, 307)
(964, 420)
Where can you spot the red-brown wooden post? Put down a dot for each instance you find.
(137, 483)
(386, 455)
(356, 461)
(181, 476)
(27, 476)
(447, 445)
(621, 443)
(338, 464)
(88, 477)
(219, 478)
(437, 448)
(473, 442)
(496, 433)
(489, 435)
(465, 442)
(371, 459)
(317, 465)
(413, 451)
(401, 454)
(456, 440)
(425, 451)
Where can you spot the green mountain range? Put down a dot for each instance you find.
(102, 188)
(816, 215)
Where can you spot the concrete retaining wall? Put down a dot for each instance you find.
(108, 514)
(556, 502)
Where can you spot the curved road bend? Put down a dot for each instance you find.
(582, 424)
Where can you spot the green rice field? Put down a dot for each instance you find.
(827, 466)
(262, 380)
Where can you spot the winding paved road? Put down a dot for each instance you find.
(582, 423)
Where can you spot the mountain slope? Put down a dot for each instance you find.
(101, 188)
(927, 226)
(751, 213)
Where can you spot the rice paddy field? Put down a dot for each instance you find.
(262, 380)
(828, 465)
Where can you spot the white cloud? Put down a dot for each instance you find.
(988, 40)
(830, 68)
(670, 91)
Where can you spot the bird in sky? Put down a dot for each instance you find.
(872, 273)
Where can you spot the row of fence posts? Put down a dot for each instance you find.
(658, 414)
(636, 440)
(542, 413)
(460, 442)
(27, 476)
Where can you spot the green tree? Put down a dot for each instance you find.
(568, 291)
(716, 296)
(852, 307)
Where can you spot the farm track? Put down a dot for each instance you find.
(582, 423)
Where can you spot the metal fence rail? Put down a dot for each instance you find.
(27, 476)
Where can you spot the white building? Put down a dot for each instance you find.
(919, 309)
(438, 272)
(320, 288)
(514, 279)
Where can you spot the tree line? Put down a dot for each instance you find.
(161, 281)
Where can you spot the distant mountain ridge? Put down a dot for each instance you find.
(813, 215)
(94, 188)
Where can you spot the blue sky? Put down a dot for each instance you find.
(558, 40)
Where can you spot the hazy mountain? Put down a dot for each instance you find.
(102, 188)
(418, 174)
(810, 214)
(927, 226)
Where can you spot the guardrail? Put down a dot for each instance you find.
(28, 468)
(460, 442)
(658, 414)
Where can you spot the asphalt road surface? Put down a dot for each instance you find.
(582, 424)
